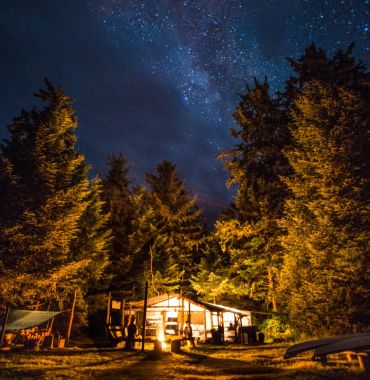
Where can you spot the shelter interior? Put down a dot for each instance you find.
(167, 314)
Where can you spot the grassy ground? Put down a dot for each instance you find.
(204, 362)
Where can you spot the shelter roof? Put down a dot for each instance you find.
(216, 307)
(207, 305)
(24, 319)
(153, 300)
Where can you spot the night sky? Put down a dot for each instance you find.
(158, 79)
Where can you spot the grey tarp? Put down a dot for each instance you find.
(24, 319)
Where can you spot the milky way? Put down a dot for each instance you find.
(209, 48)
(159, 79)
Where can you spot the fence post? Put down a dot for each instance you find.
(144, 316)
(71, 316)
(5, 319)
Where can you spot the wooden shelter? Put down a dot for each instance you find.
(167, 314)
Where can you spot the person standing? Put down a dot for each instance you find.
(131, 332)
(188, 331)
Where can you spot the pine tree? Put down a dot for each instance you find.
(92, 240)
(44, 181)
(171, 231)
(340, 70)
(250, 232)
(211, 282)
(326, 275)
(120, 205)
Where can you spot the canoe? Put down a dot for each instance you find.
(315, 344)
(354, 344)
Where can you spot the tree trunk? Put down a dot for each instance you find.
(271, 286)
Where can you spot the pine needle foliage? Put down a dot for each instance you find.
(50, 243)
(250, 232)
(120, 204)
(326, 276)
(170, 230)
(211, 282)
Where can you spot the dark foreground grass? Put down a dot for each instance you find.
(204, 362)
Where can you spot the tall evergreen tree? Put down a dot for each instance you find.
(250, 232)
(211, 281)
(340, 70)
(120, 205)
(170, 230)
(51, 211)
(92, 240)
(326, 275)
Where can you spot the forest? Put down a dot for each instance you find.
(294, 243)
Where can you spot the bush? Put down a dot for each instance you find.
(276, 328)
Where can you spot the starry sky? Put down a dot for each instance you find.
(158, 79)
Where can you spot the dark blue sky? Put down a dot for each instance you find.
(158, 79)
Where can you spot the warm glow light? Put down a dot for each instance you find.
(161, 338)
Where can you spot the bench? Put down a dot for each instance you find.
(116, 333)
(362, 358)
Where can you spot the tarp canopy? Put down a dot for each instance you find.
(25, 319)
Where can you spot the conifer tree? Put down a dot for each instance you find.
(250, 232)
(120, 205)
(211, 281)
(170, 230)
(92, 241)
(326, 275)
(340, 70)
(50, 239)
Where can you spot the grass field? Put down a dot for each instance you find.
(202, 362)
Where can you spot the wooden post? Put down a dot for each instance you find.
(361, 362)
(71, 316)
(205, 324)
(107, 321)
(129, 315)
(5, 319)
(178, 317)
(164, 318)
(144, 316)
(50, 325)
(235, 329)
(182, 315)
(189, 312)
(348, 356)
(123, 313)
(242, 336)
(223, 328)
